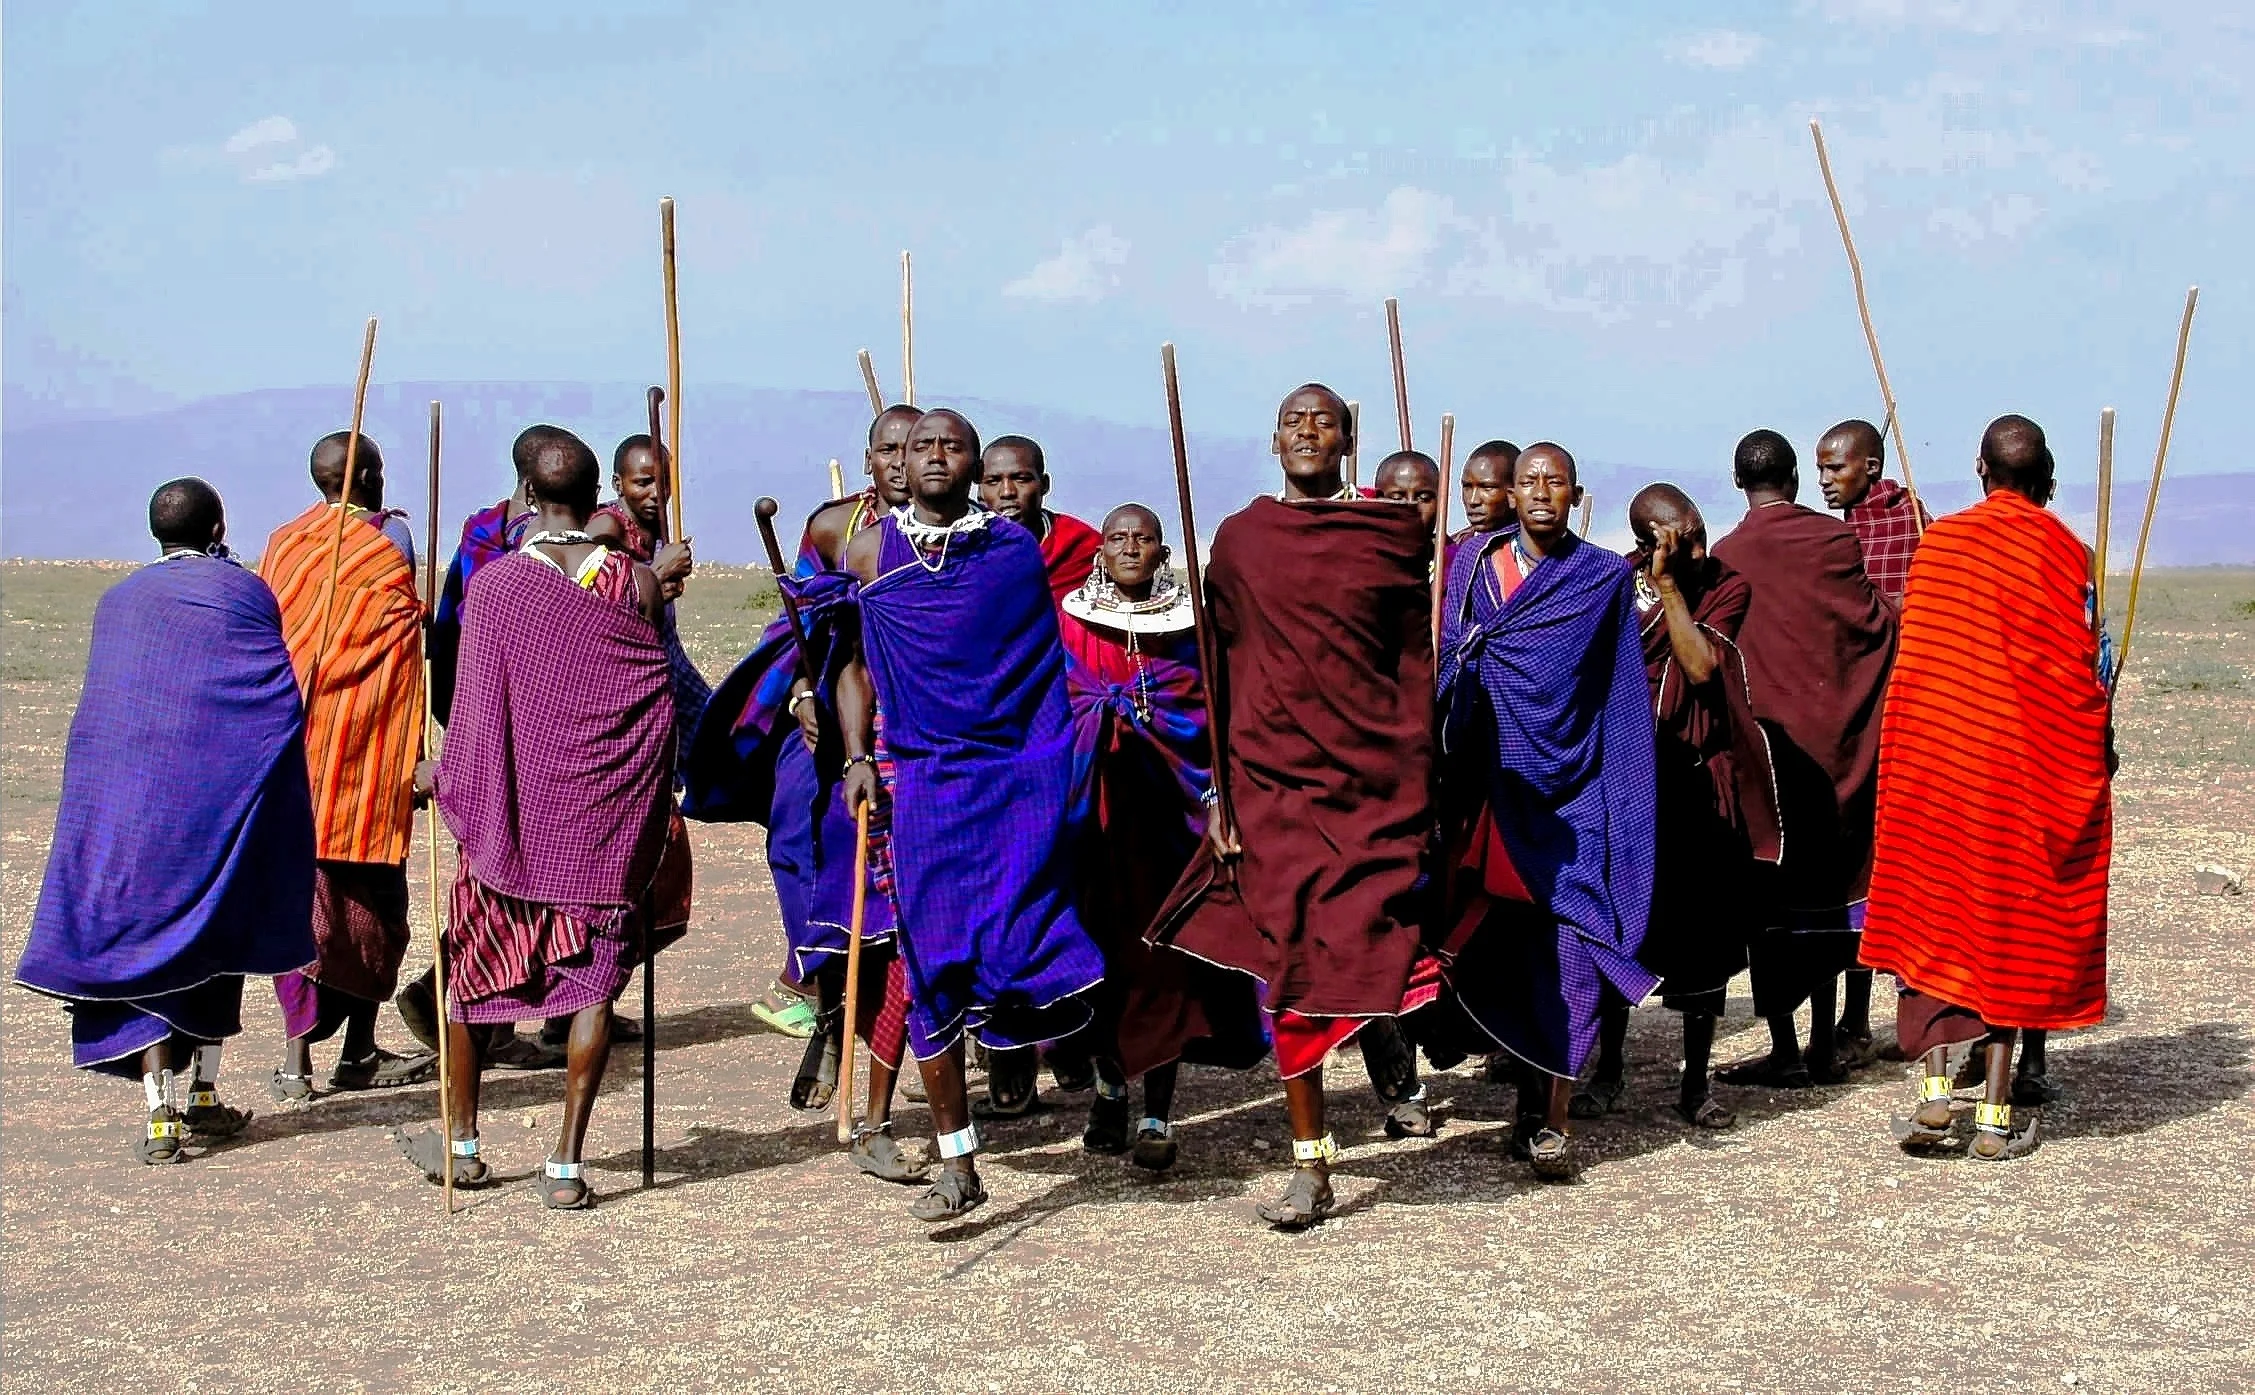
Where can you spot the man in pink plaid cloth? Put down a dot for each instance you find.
(1887, 518)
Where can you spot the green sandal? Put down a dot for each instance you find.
(786, 1010)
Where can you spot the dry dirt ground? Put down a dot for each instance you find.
(1800, 1252)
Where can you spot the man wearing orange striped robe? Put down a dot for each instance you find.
(358, 652)
(1995, 821)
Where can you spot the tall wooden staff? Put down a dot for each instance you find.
(837, 479)
(1441, 531)
(1871, 336)
(1401, 379)
(673, 373)
(657, 399)
(907, 332)
(2153, 491)
(430, 890)
(1208, 661)
(2105, 521)
(1589, 506)
(344, 501)
(869, 381)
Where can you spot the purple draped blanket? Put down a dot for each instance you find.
(970, 676)
(1548, 718)
(557, 768)
(183, 849)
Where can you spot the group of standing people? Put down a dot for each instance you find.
(1108, 821)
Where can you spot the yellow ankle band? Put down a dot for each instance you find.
(1993, 1116)
(1932, 1088)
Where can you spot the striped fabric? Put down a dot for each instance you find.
(363, 688)
(1995, 807)
(1888, 534)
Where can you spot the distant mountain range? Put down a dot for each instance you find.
(76, 484)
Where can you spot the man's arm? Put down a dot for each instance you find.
(648, 597)
(857, 696)
(1695, 653)
(604, 528)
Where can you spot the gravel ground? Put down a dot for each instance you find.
(1801, 1251)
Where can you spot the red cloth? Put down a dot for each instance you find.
(1886, 521)
(1068, 553)
(1818, 640)
(1322, 621)
(1995, 806)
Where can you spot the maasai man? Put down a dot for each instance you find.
(635, 523)
(1140, 778)
(1487, 488)
(487, 536)
(1717, 796)
(1818, 640)
(163, 891)
(958, 646)
(1014, 482)
(770, 754)
(358, 652)
(1410, 477)
(1322, 609)
(1997, 739)
(1547, 725)
(557, 778)
(1851, 465)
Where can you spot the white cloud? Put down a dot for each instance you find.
(269, 130)
(1083, 269)
(310, 163)
(1719, 48)
(1976, 17)
(1358, 253)
(2004, 219)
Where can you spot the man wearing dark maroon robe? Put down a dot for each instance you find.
(1819, 641)
(1321, 611)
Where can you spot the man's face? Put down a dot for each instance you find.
(1543, 493)
(1311, 434)
(1844, 472)
(1691, 542)
(1132, 553)
(1406, 484)
(942, 459)
(1487, 493)
(641, 484)
(887, 459)
(1012, 485)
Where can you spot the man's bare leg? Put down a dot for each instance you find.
(1855, 1018)
(2031, 1084)
(957, 1189)
(587, 1052)
(1823, 1054)
(1931, 1123)
(1154, 1137)
(1307, 1197)
(430, 1152)
(1695, 1100)
(1603, 1093)
(873, 1149)
(1994, 1138)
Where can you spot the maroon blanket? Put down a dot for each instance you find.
(1717, 795)
(1819, 641)
(1321, 615)
(557, 768)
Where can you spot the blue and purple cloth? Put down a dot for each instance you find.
(488, 535)
(1547, 720)
(183, 849)
(962, 647)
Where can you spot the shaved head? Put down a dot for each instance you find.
(1548, 450)
(327, 464)
(2015, 456)
(1136, 513)
(1765, 460)
(186, 513)
(1410, 469)
(528, 444)
(900, 412)
(564, 471)
(1338, 403)
(1662, 503)
(940, 414)
(1858, 436)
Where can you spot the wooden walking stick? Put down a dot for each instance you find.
(2153, 491)
(1871, 336)
(907, 332)
(1589, 506)
(869, 381)
(1353, 461)
(344, 502)
(852, 1014)
(430, 890)
(657, 399)
(1401, 379)
(1207, 658)
(837, 480)
(2105, 520)
(1441, 531)
(673, 366)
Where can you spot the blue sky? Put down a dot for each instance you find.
(1604, 227)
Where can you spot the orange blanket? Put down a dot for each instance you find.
(364, 698)
(1995, 806)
